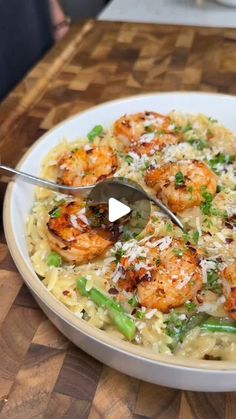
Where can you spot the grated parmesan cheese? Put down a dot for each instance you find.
(207, 265)
(211, 307)
(181, 151)
(138, 161)
(141, 265)
(117, 275)
(198, 226)
(150, 313)
(147, 138)
(83, 218)
(73, 220)
(140, 325)
(163, 243)
(87, 147)
(182, 284)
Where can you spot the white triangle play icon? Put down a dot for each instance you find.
(116, 209)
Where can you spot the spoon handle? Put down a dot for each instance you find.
(167, 211)
(34, 180)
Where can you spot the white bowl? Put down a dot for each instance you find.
(124, 356)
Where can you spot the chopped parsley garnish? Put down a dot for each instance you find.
(206, 205)
(119, 254)
(150, 128)
(199, 143)
(158, 262)
(169, 227)
(54, 259)
(174, 323)
(160, 132)
(179, 179)
(128, 159)
(190, 190)
(186, 237)
(133, 301)
(218, 213)
(210, 119)
(146, 166)
(187, 128)
(140, 314)
(178, 252)
(56, 213)
(95, 132)
(190, 306)
(177, 129)
(220, 159)
(213, 283)
(196, 236)
(192, 282)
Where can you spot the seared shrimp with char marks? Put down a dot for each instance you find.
(70, 234)
(87, 166)
(146, 132)
(167, 278)
(228, 276)
(181, 185)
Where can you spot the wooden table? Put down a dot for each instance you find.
(42, 375)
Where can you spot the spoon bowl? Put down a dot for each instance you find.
(84, 191)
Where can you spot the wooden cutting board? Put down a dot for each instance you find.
(42, 375)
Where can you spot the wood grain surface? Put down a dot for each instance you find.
(42, 375)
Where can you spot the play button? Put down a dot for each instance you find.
(116, 209)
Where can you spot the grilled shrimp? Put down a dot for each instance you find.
(168, 278)
(229, 289)
(146, 132)
(72, 237)
(83, 167)
(181, 184)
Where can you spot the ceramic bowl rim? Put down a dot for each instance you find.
(64, 313)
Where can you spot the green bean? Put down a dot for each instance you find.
(54, 259)
(116, 312)
(194, 321)
(95, 132)
(219, 325)
(180, 334)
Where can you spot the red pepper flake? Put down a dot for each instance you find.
(192, 249)
(228, 240)
(113, 291)
(229, 225)
(66, 292)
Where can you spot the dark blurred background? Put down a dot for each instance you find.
(27, 32)
(78, 9)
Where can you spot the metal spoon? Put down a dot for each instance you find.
(83, 191)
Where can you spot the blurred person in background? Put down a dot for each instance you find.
(28, 28)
